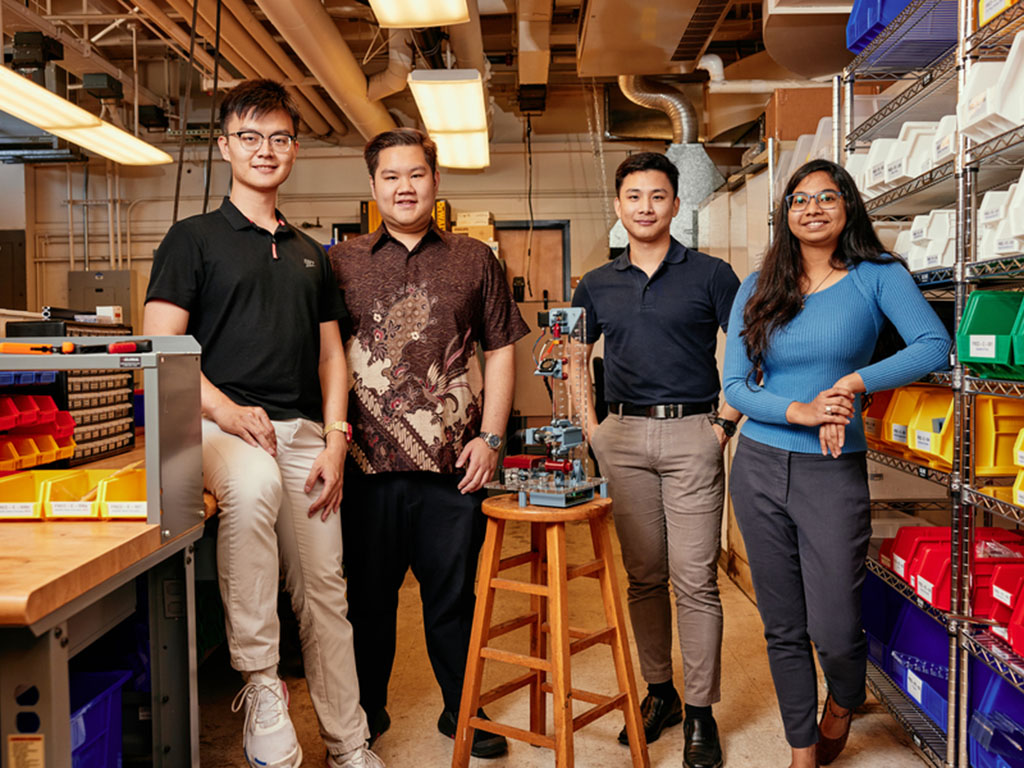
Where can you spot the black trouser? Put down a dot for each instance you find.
(806, 522)
(392, 521)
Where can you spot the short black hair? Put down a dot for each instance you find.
(257, 98)
(647, 161)
(399, 137)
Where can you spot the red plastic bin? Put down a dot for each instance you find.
(62, 425)
(8, 414)
(28, 409)
(47, 409)
(885, 552)
(1007, 585)
(931, 570)
(907, 541)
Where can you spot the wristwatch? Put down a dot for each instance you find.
(493, 441)
(339, 426)
(729, 427)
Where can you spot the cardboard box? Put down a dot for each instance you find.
(474, 218)
(792, 112)
(484, 233)
(495, 248)
(369, 216)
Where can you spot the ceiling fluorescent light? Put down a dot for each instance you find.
(37, 106)
(451, 104)
(419, 13)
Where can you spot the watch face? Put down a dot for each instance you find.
(492, 440)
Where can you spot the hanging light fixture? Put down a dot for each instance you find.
(47, 111)
(451, 103)
(419, 13)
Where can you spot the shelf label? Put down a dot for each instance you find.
(895, 168)
(977, 104)
(983, 345)
(932, 259)
(990, 8)
(878, 173)
(1002, 596)
(899, 565)
(16, 510)
(925, 588)
(991, 214)
(943, 145)
(1002, 632)
(871, 425)
(914, 686)
(26, 750)
(923, 440)
(1007, 245)
(1020, 459)
(134, 509)
(899, 433)
(1020, 498)
(71, 508)
(916, 235)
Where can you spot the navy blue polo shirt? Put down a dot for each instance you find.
(660, 333)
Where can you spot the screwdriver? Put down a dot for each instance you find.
(70, 348)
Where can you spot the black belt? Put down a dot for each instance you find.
(660, 411)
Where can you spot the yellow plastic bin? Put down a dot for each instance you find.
(873, 416)
(931, 429)
(897, 419)
(1001, 492)
(63, 496)
(997, 425)
(46, 446)
(20, 496)
(17, 452)
(124, 497)
(1018, 449)
(65, 447)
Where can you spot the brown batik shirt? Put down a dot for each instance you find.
(416, 387)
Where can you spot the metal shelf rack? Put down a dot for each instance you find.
(996, 655)
(910, 467)
(926, 736)
(901, 587)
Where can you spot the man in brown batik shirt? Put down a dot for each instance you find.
(425, 437)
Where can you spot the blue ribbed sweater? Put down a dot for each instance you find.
(835, 334)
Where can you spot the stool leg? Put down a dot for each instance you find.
(489, 562)
(558, 618)
(538, 643)
(620, 646)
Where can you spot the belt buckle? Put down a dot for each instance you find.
(660, 411)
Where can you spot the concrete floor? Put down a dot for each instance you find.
(748, 716)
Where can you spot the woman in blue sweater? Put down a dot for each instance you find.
(801, 337)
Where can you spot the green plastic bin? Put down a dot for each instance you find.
(986, 337)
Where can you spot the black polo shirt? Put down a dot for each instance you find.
(255, 300)
(660, 333)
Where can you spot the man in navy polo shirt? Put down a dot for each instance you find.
(659, 306)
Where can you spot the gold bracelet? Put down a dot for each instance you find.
(340, 426)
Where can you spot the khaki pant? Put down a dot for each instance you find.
(264, 515)
(666, 480)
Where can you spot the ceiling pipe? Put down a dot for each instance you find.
(245, 56)
(428, 42)
(467, 42)
(155, 13)
(713, 64)
(533, 19)
(315, 39)
(291, 71)
(664, 98)
(393, 79)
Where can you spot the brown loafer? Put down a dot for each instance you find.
(828, 749)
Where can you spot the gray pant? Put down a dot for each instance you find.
(667, 482)
(806, 521)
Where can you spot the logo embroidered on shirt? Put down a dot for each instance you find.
(310, 264)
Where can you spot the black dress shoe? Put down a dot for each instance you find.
(485, 743)
(702, 749)
(827, 749)
(657, 715)
(378, 722)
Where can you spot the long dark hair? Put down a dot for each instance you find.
(777, 298)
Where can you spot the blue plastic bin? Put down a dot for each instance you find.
(880, 611)
(6, 378)
(868, 18)
(918, 635)
(96, 719)
(992, 698)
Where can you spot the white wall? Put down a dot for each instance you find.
(327, 182)
(12, 197)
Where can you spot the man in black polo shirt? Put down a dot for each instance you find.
(659, 306)
(260, 298)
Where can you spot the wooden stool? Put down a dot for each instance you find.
(549, 613)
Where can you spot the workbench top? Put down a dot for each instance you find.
(45, 565)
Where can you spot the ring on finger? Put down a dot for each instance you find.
(828, 409)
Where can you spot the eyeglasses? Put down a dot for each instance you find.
(253, 140)
(827, 200)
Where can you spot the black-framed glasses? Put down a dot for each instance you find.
(827, 200)
(253, 140)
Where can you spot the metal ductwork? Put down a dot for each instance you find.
(533, 19)
(664, 98)
(430, 42)
(393, 79)
(315, 39)
(467, 44)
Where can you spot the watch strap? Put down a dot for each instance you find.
(339, 426)
(729, 427)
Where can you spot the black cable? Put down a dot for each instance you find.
(529, 202)
(185, 104)
(213, 108)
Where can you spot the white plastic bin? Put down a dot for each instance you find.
(1015, 210)
(944, 146)
(980, 108)
(916, 257)
(941, 248)
(821, 147)
(855, 166)
(909, 157)
(919, 229)
(902, 245)
(877, 157)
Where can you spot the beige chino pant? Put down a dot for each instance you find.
(265, 530)
(667, 482)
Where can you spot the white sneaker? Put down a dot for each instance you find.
(357, 758)
(268, 737)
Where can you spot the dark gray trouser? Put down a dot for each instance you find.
(667, 483)
(806, 521)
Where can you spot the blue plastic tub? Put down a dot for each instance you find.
(868, 18)
(96, 719)
(880, 612)
(998, 709)
(6, 378)
(919, 636)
